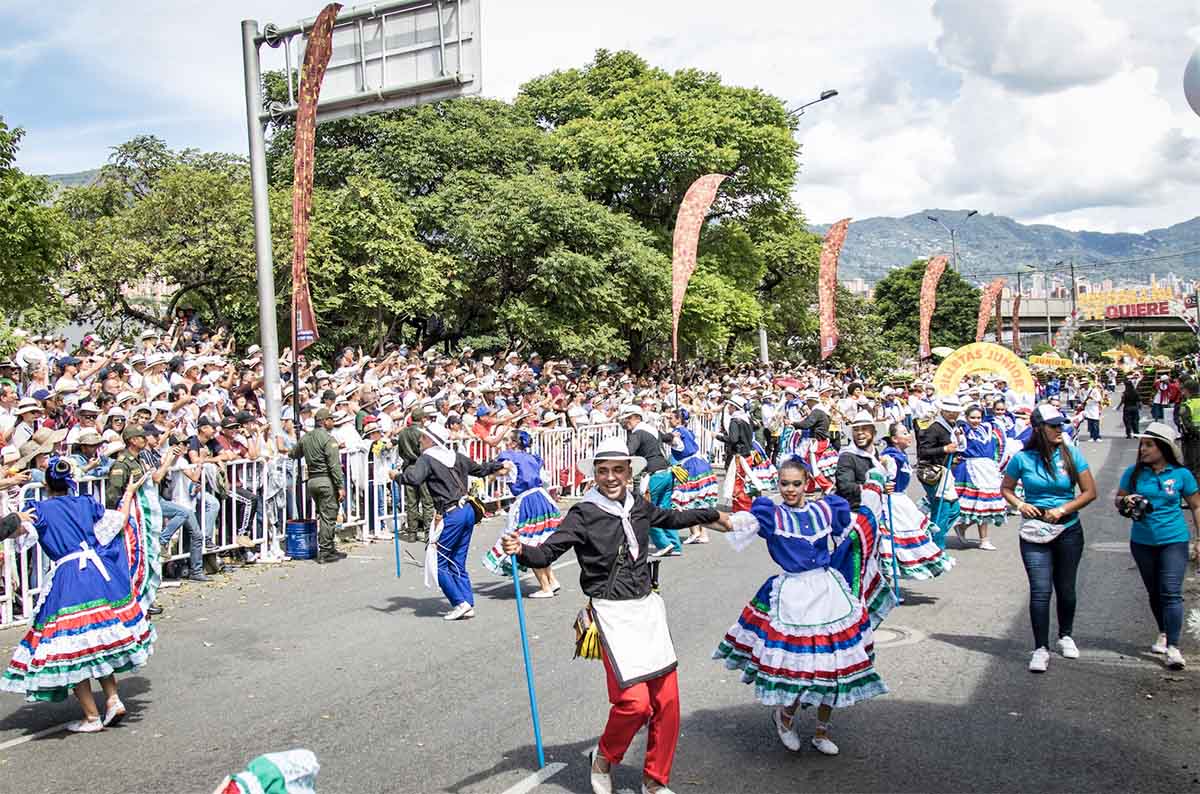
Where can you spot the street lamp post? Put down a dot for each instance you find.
(829, 93)
(953, 234)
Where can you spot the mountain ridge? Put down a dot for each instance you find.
(989, 243)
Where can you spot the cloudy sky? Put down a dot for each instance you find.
(1069, 113)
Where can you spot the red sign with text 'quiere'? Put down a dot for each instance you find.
(1127, 310)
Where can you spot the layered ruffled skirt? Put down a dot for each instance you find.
(89, 624)
(917, 554)
(978, 483)
(534, 517)
(696, 486)
(804, 638)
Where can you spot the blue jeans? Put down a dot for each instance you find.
(1156, 411)
(176, 515)
(1163, 569)
(1051, 568)
(1094, 429)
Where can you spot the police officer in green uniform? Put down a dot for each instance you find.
(322, 461)
(127, 468)
(418, 504)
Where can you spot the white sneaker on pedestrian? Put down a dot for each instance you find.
(1067, 647)
(1039, 661)
(1160, 645)
(825, 745)
(601, 781)
(85, 726)
(787, 735)
(657, 790)
(459, 612)
(987, 546)
(1175, 659)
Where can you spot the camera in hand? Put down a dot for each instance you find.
(1135, 506)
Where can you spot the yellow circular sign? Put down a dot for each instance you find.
(979, 358)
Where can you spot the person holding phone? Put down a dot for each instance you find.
(1051, 533)
(1149, 494)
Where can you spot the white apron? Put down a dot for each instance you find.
(635, 638)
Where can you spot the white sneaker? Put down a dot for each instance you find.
(825, 745)
(1160, 645)
(85, 726)
(601, 781)
(659, 790)
(1067, 647)
(459, 612)
(1039, 661)
(1175, 658)
(987, 546)
(786, 735)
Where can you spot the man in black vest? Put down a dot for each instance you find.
(610, 533)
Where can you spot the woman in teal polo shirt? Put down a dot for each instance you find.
(1050, 472)
(1159, 536)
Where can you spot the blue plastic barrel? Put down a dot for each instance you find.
(302, 540)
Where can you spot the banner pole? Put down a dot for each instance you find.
(533, 707)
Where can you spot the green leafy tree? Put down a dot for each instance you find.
(897, 304)
(34, 236)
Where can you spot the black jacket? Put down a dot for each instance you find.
(649, 447)
(739, 440)
(597, 538)
(931, 444)
(816, 423)
(444, 487)
(851, 474)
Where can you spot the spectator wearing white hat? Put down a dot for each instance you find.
(29, 415)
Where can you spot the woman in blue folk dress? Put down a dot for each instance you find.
(89, 621)
(917, 555)
(977, 478)
(806, 638)
(696, 486)
(533, 516)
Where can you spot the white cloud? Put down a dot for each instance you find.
(1069, 113)
(1031, 46)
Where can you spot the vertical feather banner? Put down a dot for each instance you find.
(827, 282)
(1016, 324)
(929, 284)
(692, 211)
(317, 50)
(987, 299)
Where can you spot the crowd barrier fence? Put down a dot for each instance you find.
(246, 511)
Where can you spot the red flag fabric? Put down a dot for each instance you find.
(1016, 324)
(929, 284)
(692, 211)
(831, 249)
(317, 50)
(987, 299)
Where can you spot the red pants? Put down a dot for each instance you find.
(656, 700)
(741, 499)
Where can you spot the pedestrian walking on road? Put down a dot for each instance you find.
(1130, 406)
(610, 533)
(1051, 532)
(1150, 493)
(323, 467)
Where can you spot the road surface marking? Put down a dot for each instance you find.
(45, 732)
(536, 779)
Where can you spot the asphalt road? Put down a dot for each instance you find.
(357, 666)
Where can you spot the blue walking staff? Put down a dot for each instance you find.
(533, 707)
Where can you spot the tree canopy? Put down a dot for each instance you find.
(898, 302)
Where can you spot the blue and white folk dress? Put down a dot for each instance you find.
(533, 515)
(806, 636)
(917, 555)
(696, 486)
(89, 621)
(977, 475)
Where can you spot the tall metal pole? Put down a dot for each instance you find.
(1015, 335)
(763, 356)
(954, 250)
(256, 134)
(1074, 290)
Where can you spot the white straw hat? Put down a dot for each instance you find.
(612, 449)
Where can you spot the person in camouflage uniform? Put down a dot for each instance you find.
(418, 504)
(323, 470)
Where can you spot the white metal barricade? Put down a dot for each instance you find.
(583, 445)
